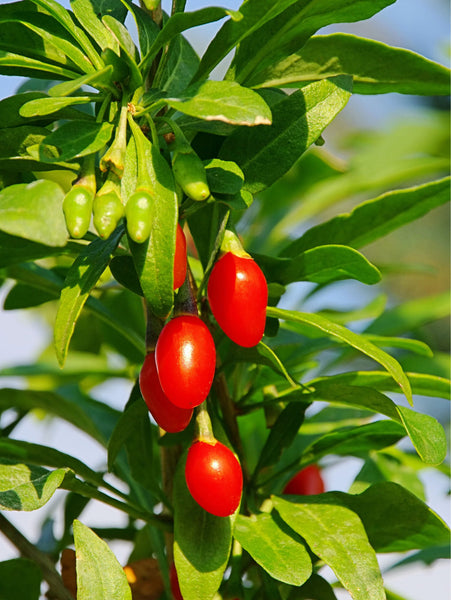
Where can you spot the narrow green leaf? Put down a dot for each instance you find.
(47, 29)
(416, 346)
(20, 578)
(38, 455)
(336, 534)
(27, 487)
(349, 337)
(89, 13)
(254, 14)
(427, 557)
(396, 520)
(59, 405)
(289, 31)
(34, 211)
(281, 435)
(223, 176)
(202, 543)
(181, 64)
(133, 432)
(128, 49)
(411, 315)
(16, 64)
(154, 259)
(355, 441)
(225, 101)
(426, 434)
(180, 21)
(146, 26)
(375, 218)
(376, 68)
(316, 588)
(75, 139)
(81, 278)
(96, 79)
(10, 111)
(48, 105)
(63, 16)
(322, 264)
(276, 548)
(99, 574)
(297, 121)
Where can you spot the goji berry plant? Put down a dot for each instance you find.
(175, 226)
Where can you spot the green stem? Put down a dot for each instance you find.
(204, 429)
(114, 159)
(29, 550)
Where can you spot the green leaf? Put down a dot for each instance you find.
(27, 487)
(34, 211)
(10, 111)
(75, 139)
(20, 578)
(376, 68)
(146, 26)
(427, 556)
(134, 432)
(281, 436)
(48, 105)
(375, 218)
(154, 259)
(426, 434)
(400, 342)
(349, 337)
(254, 14)
(289, 31)
(355, 441)
(81, 415)
(99, 574)
(180, 21)
(24, 66)
(90, 12)
(129, 52)
(322, 264)
(297, 122)
(336, 534)
(222, 101)
(316, 588)
(276, 548)
(223, 176)
(50, 282)
(24, 296)
(58, 44)
(63, 16)
(81, 278)
(396, 520)
(98, 79)
(202, 543)
(181, 64)
(36, 454)
(411, 315)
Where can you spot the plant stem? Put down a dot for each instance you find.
(30, 551)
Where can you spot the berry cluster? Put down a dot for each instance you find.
(178, 372)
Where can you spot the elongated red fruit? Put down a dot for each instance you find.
(238, 295)
(179, 257)
(306, 482)
(214, 477)
(185, 356)
(168, 416)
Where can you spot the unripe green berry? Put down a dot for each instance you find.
(189, 173)
(138, 212)
(77, 207)
(108, 211)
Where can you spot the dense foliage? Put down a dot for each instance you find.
(115, 143)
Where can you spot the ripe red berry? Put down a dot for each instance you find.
(174, 581)
(186, 358)
(238, 295)
(214, 478)
(308, 481)
(179, 257)
(169, 417)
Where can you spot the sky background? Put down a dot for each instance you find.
(419, 25)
